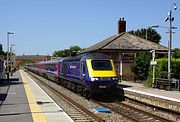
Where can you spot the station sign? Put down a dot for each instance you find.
(153, 63)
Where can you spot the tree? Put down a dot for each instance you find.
(75, 48)
(59, 53)
(67, 52)
(152, 34)
(1, 51)
(1, 47)
(176, 53)
(141, 64)
(24, 62)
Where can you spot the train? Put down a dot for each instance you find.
(90, 74)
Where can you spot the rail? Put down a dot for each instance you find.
(70, 101)
(133, 113)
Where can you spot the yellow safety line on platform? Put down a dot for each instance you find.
(37, 114)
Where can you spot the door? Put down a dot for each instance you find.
(83, 70)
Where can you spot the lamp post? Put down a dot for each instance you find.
(11, 53)
(7, 66)
(153, 64)
(171, 19)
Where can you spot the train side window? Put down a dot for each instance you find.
(64, 68)
(60, 67)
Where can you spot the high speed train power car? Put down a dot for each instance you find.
(90, 74)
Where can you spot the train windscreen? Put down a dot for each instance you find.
(101, 64)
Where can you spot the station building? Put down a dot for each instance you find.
(123, 47)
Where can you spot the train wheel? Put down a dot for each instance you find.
(81, 91)
(86, 94)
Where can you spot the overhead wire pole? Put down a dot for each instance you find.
(171, 19)
(169, 45)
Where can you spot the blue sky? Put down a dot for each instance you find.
(44, 26)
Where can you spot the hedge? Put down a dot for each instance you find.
(162, 70)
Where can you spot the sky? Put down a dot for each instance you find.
(41, 27)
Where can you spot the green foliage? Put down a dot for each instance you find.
(67, 52)
(2, 54)
(141, 64)
(61, 53)
(161, 70)
(176, 68)
(24, 62)
(152, 34)
(1, 47)
(176, 53)
(148, 82)
(75, 48)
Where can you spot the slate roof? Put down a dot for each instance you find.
(126, 41)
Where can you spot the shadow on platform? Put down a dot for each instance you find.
(5, 82)
(3, 97)
(123, 86)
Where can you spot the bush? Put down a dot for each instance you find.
(161, 70)
(24, 62)
(176, 53)
(148, 82)
(175, 68)
(140, 65)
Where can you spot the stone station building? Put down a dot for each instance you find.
(123, 48)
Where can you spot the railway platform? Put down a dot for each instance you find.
(169, 100)
(24, 101)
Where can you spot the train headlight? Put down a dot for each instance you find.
(114, 78)
(94, 79)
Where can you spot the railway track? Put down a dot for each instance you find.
(132, 113)
(166, 113)
(79, 113)
(76, 111)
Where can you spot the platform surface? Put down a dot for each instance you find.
(164, 94)
(25, 101)
(169, 100)
(14, 103)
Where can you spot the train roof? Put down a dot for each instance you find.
(87, 56)
(73, 58)
(76, 58)
(52, 61)
(97, 56)
(40, 62)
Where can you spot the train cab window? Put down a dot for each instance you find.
(84, 68)
(101, 64)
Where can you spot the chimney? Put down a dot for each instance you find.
(121, 26)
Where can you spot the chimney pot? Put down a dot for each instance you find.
(121, 25)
